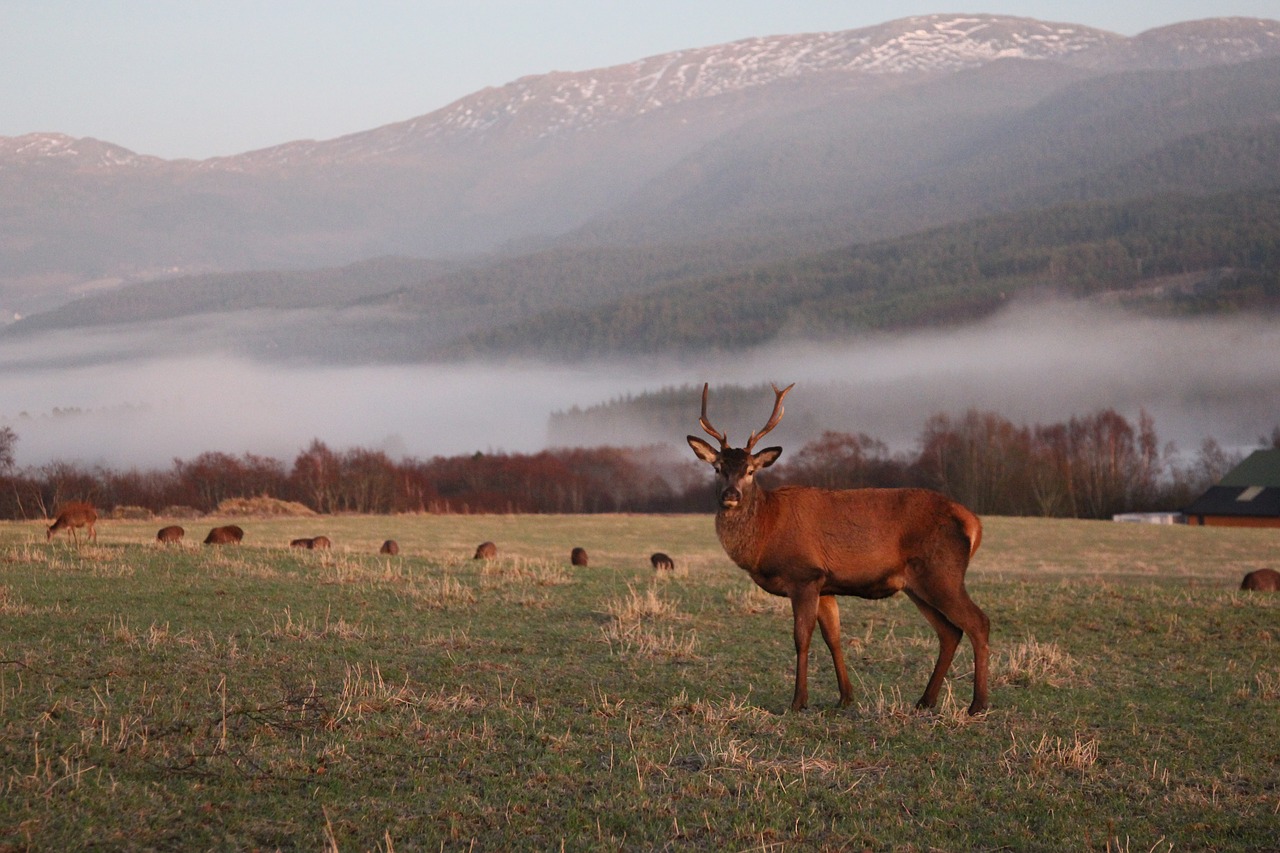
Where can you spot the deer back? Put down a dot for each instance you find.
(75, 515)
(856, 536)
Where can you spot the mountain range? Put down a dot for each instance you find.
(715, 176)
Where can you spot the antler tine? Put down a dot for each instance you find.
(773, 419)
(706, 424)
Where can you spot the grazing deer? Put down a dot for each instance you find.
(661, 562)
(1262, 580)
(72, 517)
(486, 551)
(301, 543)
(226, 535)
(389, 547)
(811, 544)
(172, 533)
(578, 556)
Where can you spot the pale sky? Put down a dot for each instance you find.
(189, 78)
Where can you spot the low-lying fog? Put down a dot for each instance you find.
(101, 398)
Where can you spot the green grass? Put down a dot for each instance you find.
(256, 696)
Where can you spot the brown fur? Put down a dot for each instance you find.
(578, 556)
(811, 545)
(486, 551)
(301, 543)
(661, 562)
(226, 535)
(72, 517)
(170, 534)
(389, 547)
(1262, 580)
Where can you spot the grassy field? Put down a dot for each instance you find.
(258, 697)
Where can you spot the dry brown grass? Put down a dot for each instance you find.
(262, 507)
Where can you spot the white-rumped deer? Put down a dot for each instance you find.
(73, 516)
(810, 545)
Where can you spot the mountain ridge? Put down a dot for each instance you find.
(547, 159)
(916, 44)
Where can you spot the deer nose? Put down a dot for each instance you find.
(730, 497)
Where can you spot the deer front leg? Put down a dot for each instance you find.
(829, 622)
(804, 613)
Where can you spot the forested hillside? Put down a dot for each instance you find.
(1178, 254)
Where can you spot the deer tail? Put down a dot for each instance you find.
(972, 527)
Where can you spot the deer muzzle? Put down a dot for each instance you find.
(730, 497)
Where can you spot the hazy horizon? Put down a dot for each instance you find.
(105, 398)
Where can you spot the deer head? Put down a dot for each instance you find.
(736, 467)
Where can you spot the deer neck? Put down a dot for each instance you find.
(742, 529)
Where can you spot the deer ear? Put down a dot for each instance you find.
(766, 457)
(704, 451)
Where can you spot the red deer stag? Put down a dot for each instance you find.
(578, 556)
(72, 517)
(1262, 580)
(486, 551)
(170, 534)
(811, 544)
(390, 547)
(227, 535)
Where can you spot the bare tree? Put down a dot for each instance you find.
(8, 438)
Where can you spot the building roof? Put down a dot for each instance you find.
(1261, 468)
(1234, 500)
(1252, 488)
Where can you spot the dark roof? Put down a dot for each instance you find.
(1261, 468)
(1237, 500)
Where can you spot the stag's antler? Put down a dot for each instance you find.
(706, 424)
(773, 419)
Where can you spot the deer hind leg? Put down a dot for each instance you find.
(829, 622)
(953, 616)
(970, 618)
(948, 640)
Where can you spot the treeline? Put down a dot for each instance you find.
(1088, 467)
(1228, 244)
(364, 481)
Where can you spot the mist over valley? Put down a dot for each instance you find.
(111, 398)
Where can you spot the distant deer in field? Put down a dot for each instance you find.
(170, 534)
(300, 543)
(1262, 580)
(811, 544)
(578, 556)
(226, 535)
(321, 543)
(486, 551)
(72, 517)
(661, 562)
(389, 547)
